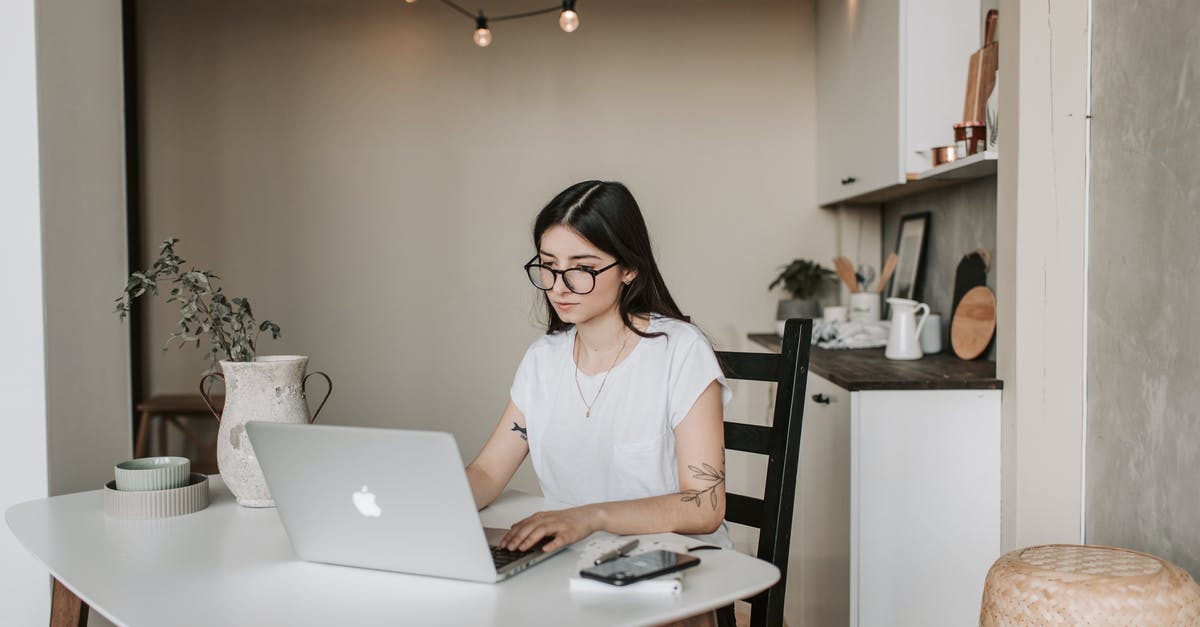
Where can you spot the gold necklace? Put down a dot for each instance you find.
(587, 405)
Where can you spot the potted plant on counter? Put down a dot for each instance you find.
(269, 388)
(801, 279)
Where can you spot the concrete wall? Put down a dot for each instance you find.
(369, 177)
(24, 586)
(1143, 438)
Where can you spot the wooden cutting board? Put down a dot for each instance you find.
(974, 323)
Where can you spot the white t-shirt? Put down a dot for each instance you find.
(626, 448)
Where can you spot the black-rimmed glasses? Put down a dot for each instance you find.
(578, 280)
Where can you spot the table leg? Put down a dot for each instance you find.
(66, 609)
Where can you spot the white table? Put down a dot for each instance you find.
(230, 565)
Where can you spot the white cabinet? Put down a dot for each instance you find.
(924, 505)
(897, 514)
(891, 78)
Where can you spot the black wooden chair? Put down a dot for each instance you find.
(780, 442)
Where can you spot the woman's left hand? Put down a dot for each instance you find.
(565, 526)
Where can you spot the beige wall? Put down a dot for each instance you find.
(369, 177)
(82, 151)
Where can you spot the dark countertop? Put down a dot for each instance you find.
(868, 369)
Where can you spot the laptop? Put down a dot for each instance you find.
(387, 499)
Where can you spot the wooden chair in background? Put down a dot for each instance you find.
(176, 410)
(780, 442)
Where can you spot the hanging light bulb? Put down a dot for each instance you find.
(483, 36)
(568, 20)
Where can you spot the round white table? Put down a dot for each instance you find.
(230, 565)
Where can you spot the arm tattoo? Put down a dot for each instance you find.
(522, 430)
(707, 473)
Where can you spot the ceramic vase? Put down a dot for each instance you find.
(268, 389)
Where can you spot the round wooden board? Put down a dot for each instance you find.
(974, 323)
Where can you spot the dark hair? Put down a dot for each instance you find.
(606, 214)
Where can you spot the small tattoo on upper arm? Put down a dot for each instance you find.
(521, 430)
(707, 473)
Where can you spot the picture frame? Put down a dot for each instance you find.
(911, 244)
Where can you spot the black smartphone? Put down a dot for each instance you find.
(631, 568)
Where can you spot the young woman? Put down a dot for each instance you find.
(620, 404)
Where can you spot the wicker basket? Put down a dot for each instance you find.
(1067, 584)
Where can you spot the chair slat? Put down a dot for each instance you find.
(750, 366)
(743, 510)
(748, 438)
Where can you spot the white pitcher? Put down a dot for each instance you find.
(904, 337)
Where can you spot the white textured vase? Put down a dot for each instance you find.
(268, 389)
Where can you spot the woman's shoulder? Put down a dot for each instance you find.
(678, 332)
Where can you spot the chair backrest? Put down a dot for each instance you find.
(780, 442)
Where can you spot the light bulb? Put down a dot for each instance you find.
(410, 1)
(483, 37)
(568, 20)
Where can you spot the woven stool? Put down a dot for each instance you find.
(1068, 584)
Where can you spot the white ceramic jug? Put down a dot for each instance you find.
(905, 334)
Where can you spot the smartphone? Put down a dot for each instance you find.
(626, 570)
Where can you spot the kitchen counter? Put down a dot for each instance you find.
(868, 369)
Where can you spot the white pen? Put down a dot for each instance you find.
(617, 552)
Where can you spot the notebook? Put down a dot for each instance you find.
(387, 499)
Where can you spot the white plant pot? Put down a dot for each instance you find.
(268, 389)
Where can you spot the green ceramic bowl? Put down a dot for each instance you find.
(153, 473)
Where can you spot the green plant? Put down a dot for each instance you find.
(802, 278)
(204, 309)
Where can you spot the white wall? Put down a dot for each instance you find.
(24, 586)
(64, 375)
(1041, 239)
(368, 177)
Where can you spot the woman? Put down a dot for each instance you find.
(620, 404)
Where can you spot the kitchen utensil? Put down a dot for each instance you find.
(981, 71)
(974, 323)
(845, 270)
(943, 154)
(971, 272)
(889, 267)
(867, 273)
(905, 332)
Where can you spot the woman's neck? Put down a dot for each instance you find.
(604, 334)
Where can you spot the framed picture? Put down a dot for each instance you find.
(910, 249)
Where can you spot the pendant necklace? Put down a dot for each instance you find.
(587, 405)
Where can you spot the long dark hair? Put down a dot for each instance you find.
(606, 214)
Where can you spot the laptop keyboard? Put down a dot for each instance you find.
(504, 557)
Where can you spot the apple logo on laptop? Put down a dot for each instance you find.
(365, 502)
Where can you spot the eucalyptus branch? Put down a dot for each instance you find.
(204, 309)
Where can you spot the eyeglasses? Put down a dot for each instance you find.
(578, 280)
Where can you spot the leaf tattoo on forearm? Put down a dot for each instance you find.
(706, 473)
(522, 430)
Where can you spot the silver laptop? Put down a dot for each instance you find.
(387, 499)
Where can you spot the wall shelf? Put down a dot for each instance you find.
(975, 166)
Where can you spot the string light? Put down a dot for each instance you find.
(568, 19)
(483, 35)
